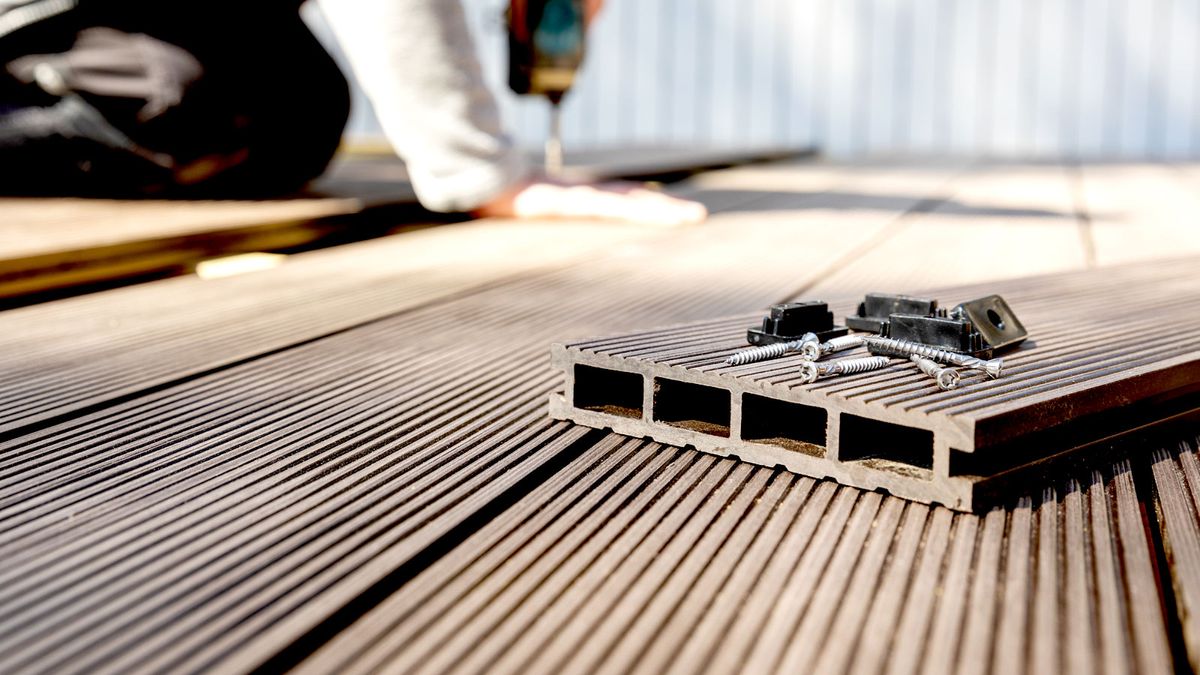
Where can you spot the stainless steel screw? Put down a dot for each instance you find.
(765, 352)
(907, 348)
(810, 371)
(813, 351)
(947, 378)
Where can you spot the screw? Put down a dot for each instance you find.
(813, 351)
(770, 351)
(895, 347)
(810, 371)
(947, 378)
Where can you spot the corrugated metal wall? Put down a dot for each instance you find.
(1030, 78)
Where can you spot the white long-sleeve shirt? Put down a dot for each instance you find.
(416, 62)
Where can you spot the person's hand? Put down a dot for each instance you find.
(625, 202)
(591, 8)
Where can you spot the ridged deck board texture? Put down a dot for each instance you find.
(1176, 472)
(217, 521)
(228, 503)
(1090, 361)
(60, 358)
(63, 357)
(643, 558)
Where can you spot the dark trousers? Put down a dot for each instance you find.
(128, 97)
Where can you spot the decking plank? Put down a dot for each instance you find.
(995, 222)
(1139, 211)
(213, 520)
(939, 565)
(217, 520)
(1177, 483)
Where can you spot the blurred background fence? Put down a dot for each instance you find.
(1014, 78)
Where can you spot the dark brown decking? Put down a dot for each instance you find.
(1110, 352)
(642, 558)
(331, 461)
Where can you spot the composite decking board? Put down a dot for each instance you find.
(787, 575)
(240, 479)
(65, 356)
(1021, 219)
(651, 163)
(217, 520)
(1135, 210)
(1176, 473)
(1091, 356)
(52, 243)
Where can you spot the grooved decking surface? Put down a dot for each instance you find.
(639, 557)
(1087, 358)
(347, 461)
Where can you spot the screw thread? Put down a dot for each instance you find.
(852, 366)
(809, 371)
(907, 348)
(755, 354)
(840, 344)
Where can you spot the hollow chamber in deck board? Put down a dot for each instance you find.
(794, 426)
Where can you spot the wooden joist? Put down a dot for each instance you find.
(48, 243)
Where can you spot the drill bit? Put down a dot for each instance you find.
(554, 154)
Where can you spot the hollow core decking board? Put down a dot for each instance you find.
(217, 521)
(641, 558)
(1088, 366)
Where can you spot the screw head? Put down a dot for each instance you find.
(948, 379)
(992, 368)
(808, 372)
(810, 350)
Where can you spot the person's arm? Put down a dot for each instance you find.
(416, 61)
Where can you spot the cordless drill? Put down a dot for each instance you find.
(545, 48)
